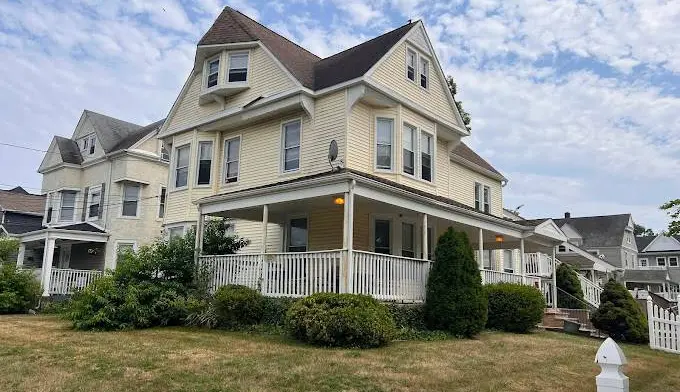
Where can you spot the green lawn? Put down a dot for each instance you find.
(40, 353)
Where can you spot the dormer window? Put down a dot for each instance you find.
(238, 67)
(424, 72)
(411, 63)
(213, 72)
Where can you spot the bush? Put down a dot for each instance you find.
(455, 301)
(569, 295)
(201, 313)
(19, 290)
(237, 306)
(408, 316)
(340, 320)
(619, 315)
(217, 239)
(275, 309)
(514, 307)
(8, 250)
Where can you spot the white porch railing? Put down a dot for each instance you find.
(538, 264)
(490, 277)
(591, 291)
(65, 281)
(547, 289)
(387, 277)
(242, 269)
(301, 274)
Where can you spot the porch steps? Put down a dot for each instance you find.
(554, 320)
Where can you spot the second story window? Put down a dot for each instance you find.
(204, 163)
(661, 261)
(291, 146)
(93, 203)
(673, 261)
(426, 145)
(409, 148)
(161, 202)
(424, 72)
(213, 71)
(643, 262)
(68, 206)
(383, 143)
(482, 198)
(130, 200)
(182, 166)
(411, 64)
(238, 67)
(232, 151)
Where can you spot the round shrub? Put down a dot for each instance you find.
(514, 307)
(340, 320)
(620, 316)
(237, 305)
(19, 290)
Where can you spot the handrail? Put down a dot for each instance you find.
(393, 256)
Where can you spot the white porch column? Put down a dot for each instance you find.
(198, 247)
(554, 279)
(20, 255)
(425, 244)
(48, 256)
(522, 267)
(265, 223)
(264, 273)
(481, 249)
(348, 243)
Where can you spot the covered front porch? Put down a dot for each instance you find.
(64, 258)
(347, 232)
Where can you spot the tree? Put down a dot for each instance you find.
(8, 249)
(619, 315)
(640, 230)
(453, 89)
(455, 300)
(672, 208)
(569, 293)
(219, 240)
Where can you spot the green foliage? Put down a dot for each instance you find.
(19, 290)
(570, 295)
(453, 89)
(275, 309)
(514, 307)
(619, 315)
(8, 249)
(408, 316)
(455, 302)
(218, 241)
(672, 208)
(340, 320)
(640, 230)
(201, 313)
(238, 306)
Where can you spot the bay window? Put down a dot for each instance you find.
(212, 71)
(93, 203)
(238, 67)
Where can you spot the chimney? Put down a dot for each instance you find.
(567, 215)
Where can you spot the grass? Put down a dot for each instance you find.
(40, 353)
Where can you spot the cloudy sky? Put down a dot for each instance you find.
(576, 102)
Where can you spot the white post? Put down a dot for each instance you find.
(481, 249)
(20, 255)
(349, 208)
(611, 359)
(650, 321)
(47, 265)
(264, 268)
(425, 244)
(554, 279)
(198, 246)
(522, 268)
(265, 223)
(344, 259)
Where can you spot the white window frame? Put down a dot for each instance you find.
(206, 69)
(91, 149)
(283, 147)
(670, 263)
(432, 156)
(50, 203)
(124, 242)
(507, 261)
(162, 201)
(122, 200)
(175, 161)
(643, 262)
(393, 160)
(61, 205)
(484, 189)
(163, 146)
(91, 190)
(198, 163)
(406, 126)
(239, 53)
(415, 67)
(422, 59)
(664, 261)
(286, 237)
(227, 160)
(169, 228)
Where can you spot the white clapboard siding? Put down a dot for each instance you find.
(387, 277)
(65, 281)
(664, 328)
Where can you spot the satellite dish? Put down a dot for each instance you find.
(332, 153)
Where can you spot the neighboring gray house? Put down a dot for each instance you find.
(658, 268)
(21, 212)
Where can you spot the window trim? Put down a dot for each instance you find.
(61, 205)
(91, 190)
(286, 236)
(93, 139)
(422, 58)
(162, 201)
(676, 261)
(414, 239)
(416, 66)
(122, 201)
(225, 171)
(433, 159)
(282, 149)
(415, 151)
(392, 146)
(229, 55)
(206, 68)
(182, 226)
(641, 260)
(117, 243)
(175, 156)
(484, 189)
(198, 163)
(664, 262)
(371, 238)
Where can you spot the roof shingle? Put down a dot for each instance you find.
(22, 202)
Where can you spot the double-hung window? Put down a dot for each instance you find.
(382, 233)
(232, 152)
(673, 261)
(213, 71)
(68, 206)
(643, 262)
(49, 207)
(409, 149)
(408, 239)
(297, 235)
(508, 262)
(661, 261)
(182, 166)
(93, 203)
(174, 232)
(130, 200)
(238, 67)
(426, 145)
(424, 72)
(411, 64)
(482, 198)
(161, 202)
(93, 138)
(204, 163)
(383, 143)
(291, 145)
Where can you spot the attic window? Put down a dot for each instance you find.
(92, 143)
(411, 62)
(213, 70)
(238, 67)
(424, 72)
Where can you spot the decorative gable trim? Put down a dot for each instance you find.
(550, 229)
(53, 149)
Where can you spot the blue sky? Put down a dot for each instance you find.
(576, 102)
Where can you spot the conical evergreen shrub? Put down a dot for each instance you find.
(570, 295)
(455, 302)
(620, 316)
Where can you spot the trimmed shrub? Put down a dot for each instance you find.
(201, 313)
(340, 320)
(19, 290)
(237, 306)
(620, 316)
(8, 250)
(514, 307)
(455, 302)
(570, 295)
(275, 309)
(408, 316)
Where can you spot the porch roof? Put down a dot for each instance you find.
(647, 276)
(79, 232)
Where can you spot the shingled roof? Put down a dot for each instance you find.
(643, 241)
(70, 153)
(111, 131)
(21, 202)
(465, 152)
(137, 135)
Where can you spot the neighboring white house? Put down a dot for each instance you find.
(105, 189)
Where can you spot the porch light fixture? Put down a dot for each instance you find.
(339, 201)
(499, 238)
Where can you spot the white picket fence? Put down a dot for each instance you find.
(301, 274)
(65, 281)
(664, 328)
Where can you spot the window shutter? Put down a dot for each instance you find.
(85, 201)
(101, 203)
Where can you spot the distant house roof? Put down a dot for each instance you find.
(465, 152)
(14, 200)
(597, 231)
(111, 131)
(643, 241)
(647, 275)
(81, 227)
